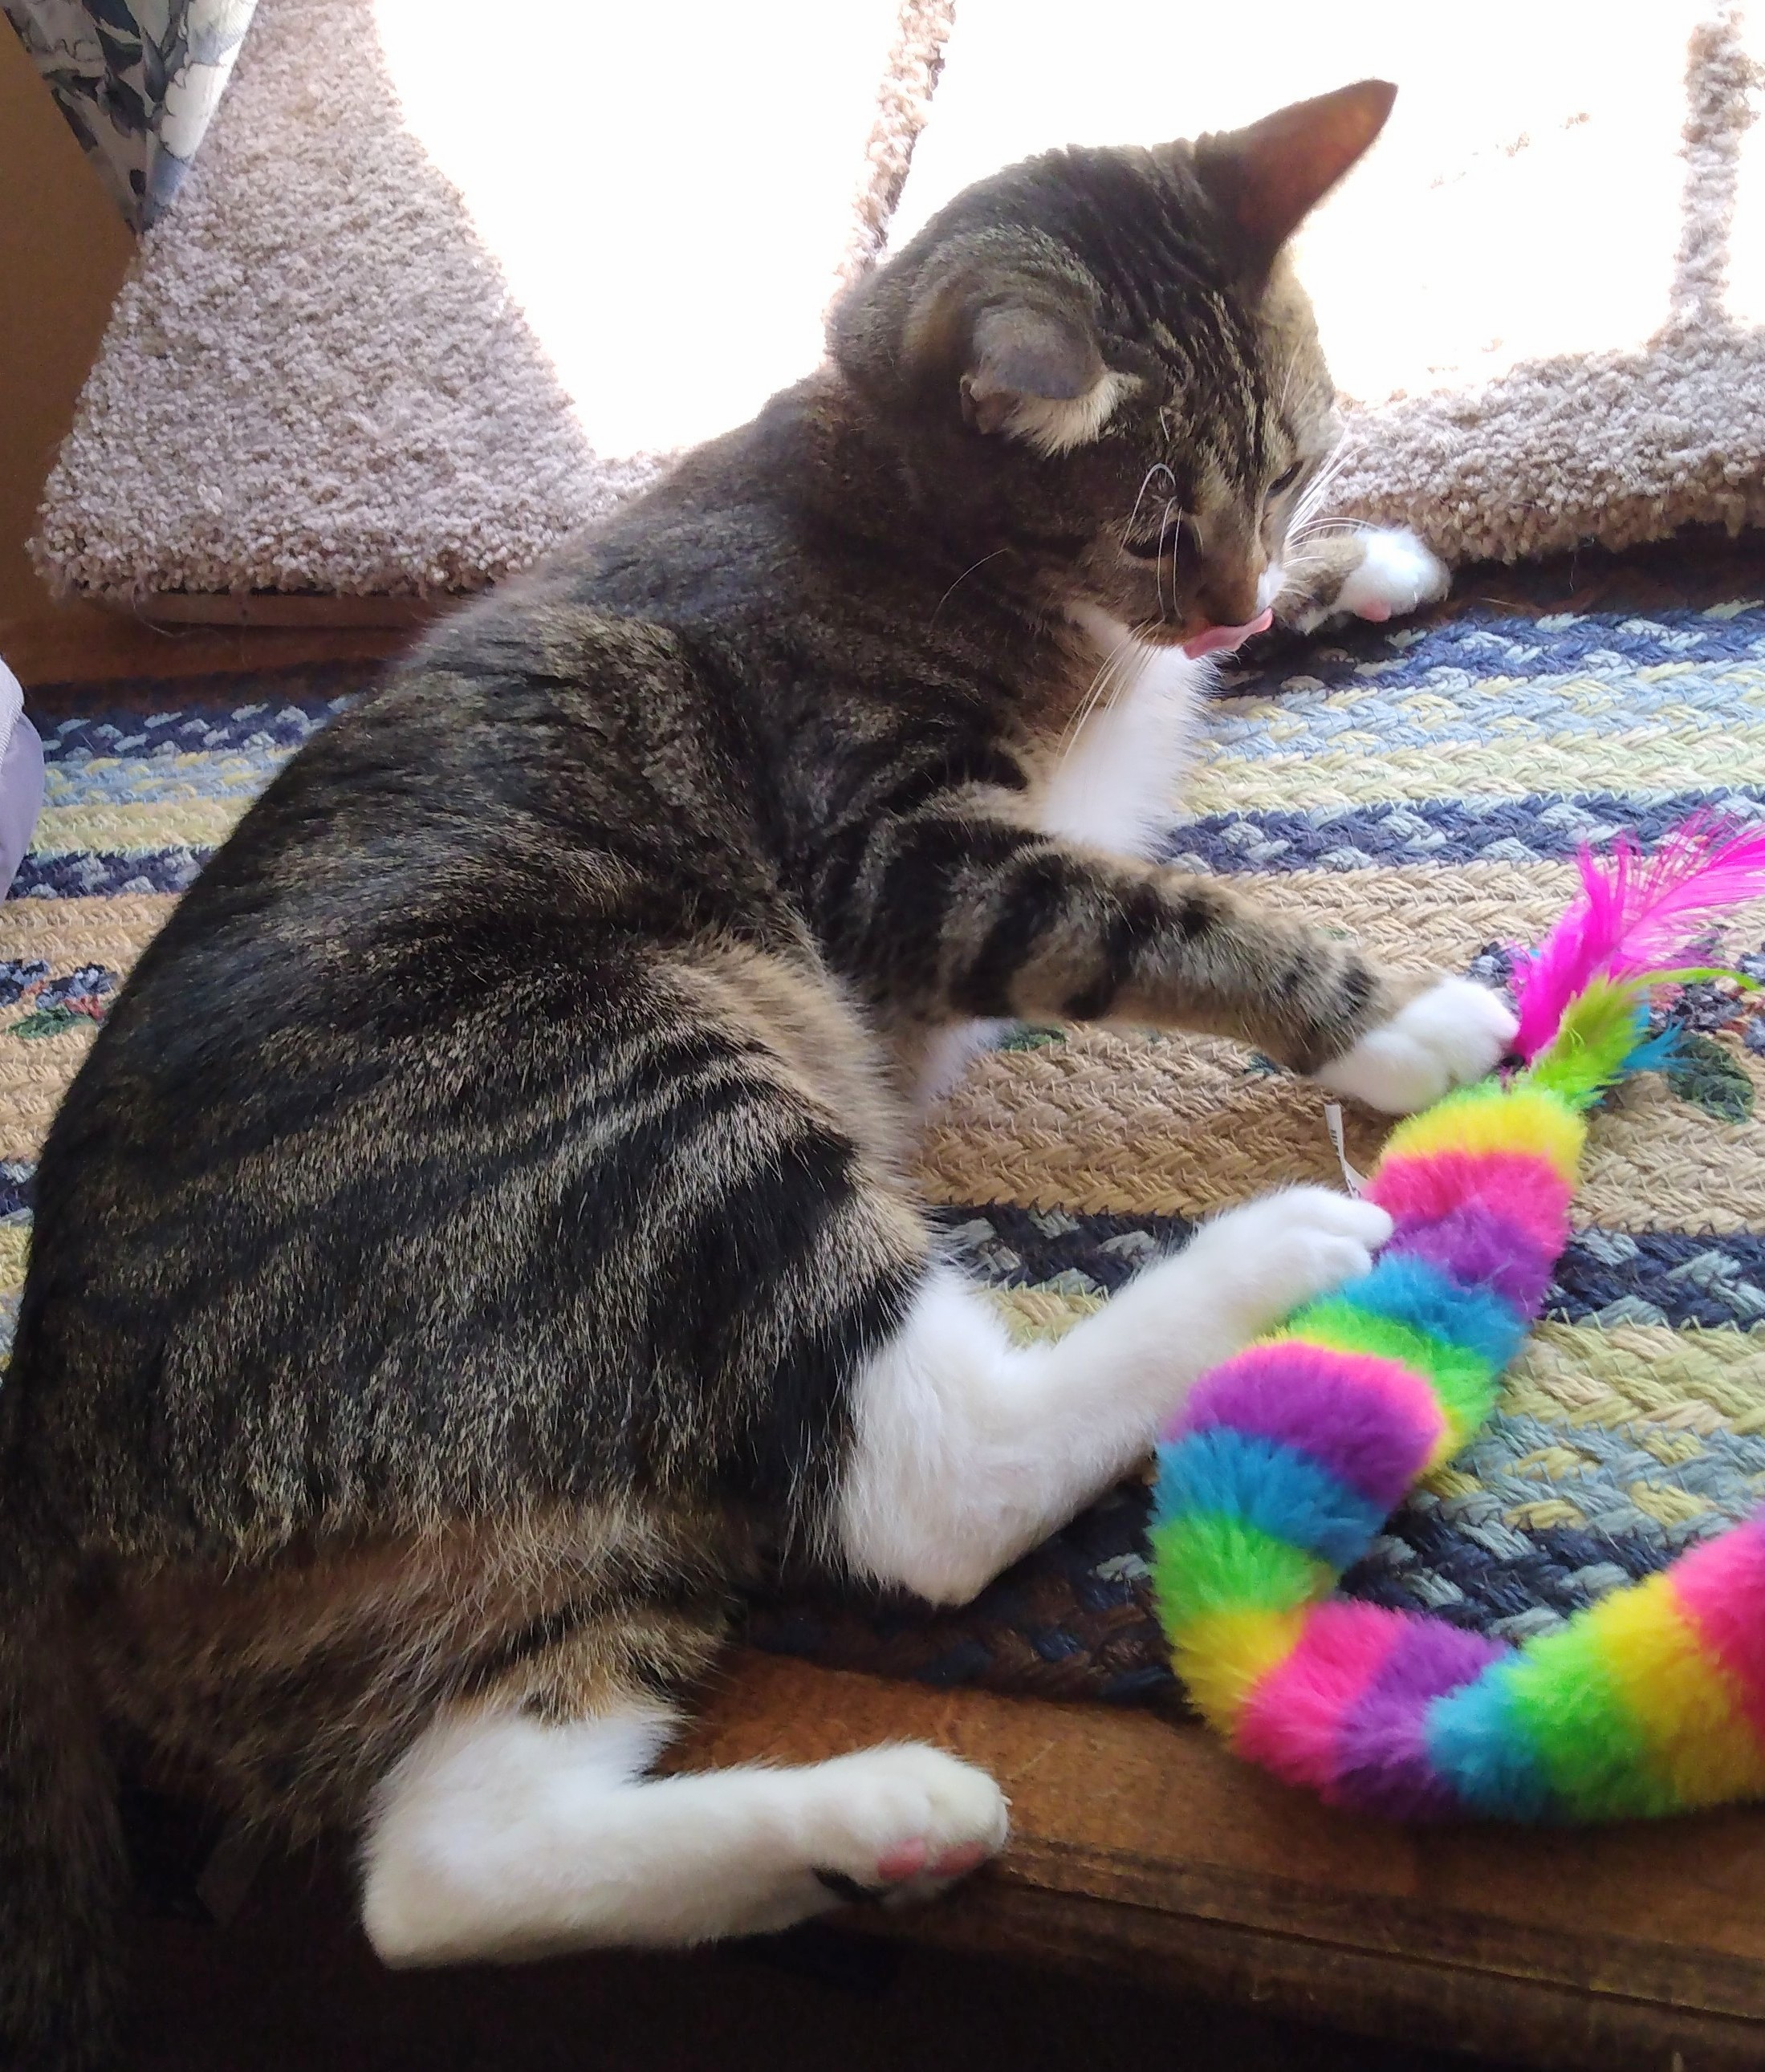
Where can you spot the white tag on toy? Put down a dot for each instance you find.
(1354, 1182)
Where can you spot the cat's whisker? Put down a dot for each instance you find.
(1335, 459)
(1095, 692)
(1158, 467)
(1320, 485)
(1108, 684)
(962, 578)
(1075, 727)
(1316, 490)
(1104, 685)
(1316, 527)
(1308, 551)
(1299, 568)
(1165, 531)
(1082, 711)
(1311, 502)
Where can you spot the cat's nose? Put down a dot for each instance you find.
(1232, 596)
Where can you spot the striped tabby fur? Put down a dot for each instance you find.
(476, 1245)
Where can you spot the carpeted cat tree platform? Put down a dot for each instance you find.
(431, 295)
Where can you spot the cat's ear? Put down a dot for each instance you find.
(1266, 180)
(1036, 373)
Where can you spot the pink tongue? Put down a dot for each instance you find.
(1222, 640)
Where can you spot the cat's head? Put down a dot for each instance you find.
(1101, 360)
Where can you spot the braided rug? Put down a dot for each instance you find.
(1423, 786)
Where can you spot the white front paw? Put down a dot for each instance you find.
(1266, 1259)
(1397, 574)
(1450, 1036)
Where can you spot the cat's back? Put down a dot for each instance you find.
(380, 1130)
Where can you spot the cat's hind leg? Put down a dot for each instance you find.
(502, 1836)
(967, 1449)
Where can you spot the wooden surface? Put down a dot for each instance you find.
(290, 1986)
(64, 251)
(287, 608)
(1141, 1847)
(1142, 1859)
(87, 644)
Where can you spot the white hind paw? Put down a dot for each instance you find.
(902, 1824)
(1397, 574)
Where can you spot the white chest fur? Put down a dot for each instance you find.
(1115, 787)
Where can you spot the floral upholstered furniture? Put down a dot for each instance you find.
(137, 80)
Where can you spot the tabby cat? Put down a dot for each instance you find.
(477, 1246)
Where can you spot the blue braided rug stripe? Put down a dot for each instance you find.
(1636, 1422)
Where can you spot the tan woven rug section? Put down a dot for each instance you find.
(1423, 786)
(1180, 1126)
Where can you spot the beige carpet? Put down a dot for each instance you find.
(430, 298)
(441, 286)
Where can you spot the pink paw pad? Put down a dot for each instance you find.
(906, 1859)
(912, 1858)
(1377, 613)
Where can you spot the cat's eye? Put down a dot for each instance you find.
(1284, 482)
(1163, 541)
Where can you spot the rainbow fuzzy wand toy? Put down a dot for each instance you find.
(1285, 1460)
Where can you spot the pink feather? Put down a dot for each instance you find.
(1637, 916)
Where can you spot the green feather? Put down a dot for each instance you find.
(1597, 1033)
